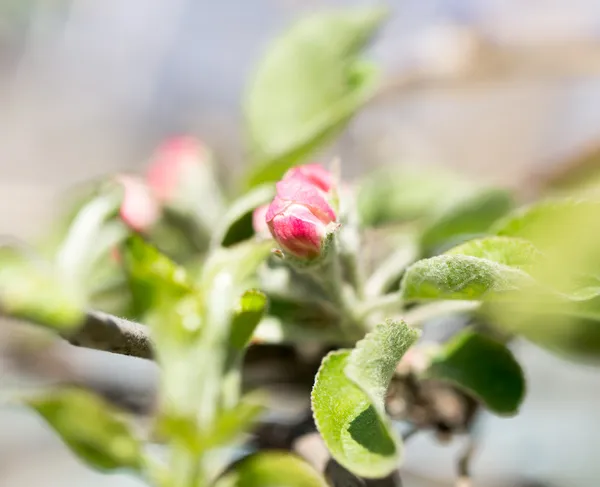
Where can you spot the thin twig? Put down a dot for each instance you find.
(464, 465)
(102, 331)
(30, 352)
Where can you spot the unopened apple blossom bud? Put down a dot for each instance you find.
(173, 161)
(300, 218)
(259, 221)
(139, 210)
(181, 176)
(312, 173)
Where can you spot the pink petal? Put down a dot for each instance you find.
(139, 210)
(171, 157)
(276, 207)
(312, 173)
(298, 191)
(259, 220)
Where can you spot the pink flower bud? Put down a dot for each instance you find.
(259, 221)
(169, 165)
(115, 255)
(299, 218)
(312, 173)
(139, 210)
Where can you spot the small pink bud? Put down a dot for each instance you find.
(115, 255)
(259, 221)
(169, 164)
(139, 210)
(299, 218)
(312, 173)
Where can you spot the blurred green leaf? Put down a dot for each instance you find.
(564, 316)
(271, 469)
(88, 237)
(174, 310)
(482, 367)
(461, 277)
(567, 326)
(392, 195)
(246, 317)
(512, 252)
(541, 222)
(236, 225)
(228, 426)
(467, 218)
(567, 232)
(239, 261)
(307, 87)
(233, 423)
(91, 428)
(348, 401)
(33, 292)
(153, 277)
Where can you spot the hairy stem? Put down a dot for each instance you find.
(102, 331)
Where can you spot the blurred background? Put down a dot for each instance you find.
(500, 90)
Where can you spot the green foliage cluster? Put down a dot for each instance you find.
(206, 293)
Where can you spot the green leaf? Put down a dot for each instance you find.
(307, 87)
(373, 360)
(271, 469)
(467, 218)
(240, 261)
(174, 310)
(32, 292)
(236, 225)
(567, 327)
(233, 423)
(91, 428)
(482, 367)
(348, 401)
(228, 427)
(566, 231)
(508, 251)
(153, 277)
(393, 195)
(461, 277)
(85, 239)
(246, 318)
(538, 222)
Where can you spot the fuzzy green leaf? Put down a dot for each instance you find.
(236, 225)
(91, 428)
(374, 358)
(307, 87)
(348, 401)
(32, 292)
(467, 218)
(482, 367)
(461, 277)
(271, 469)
